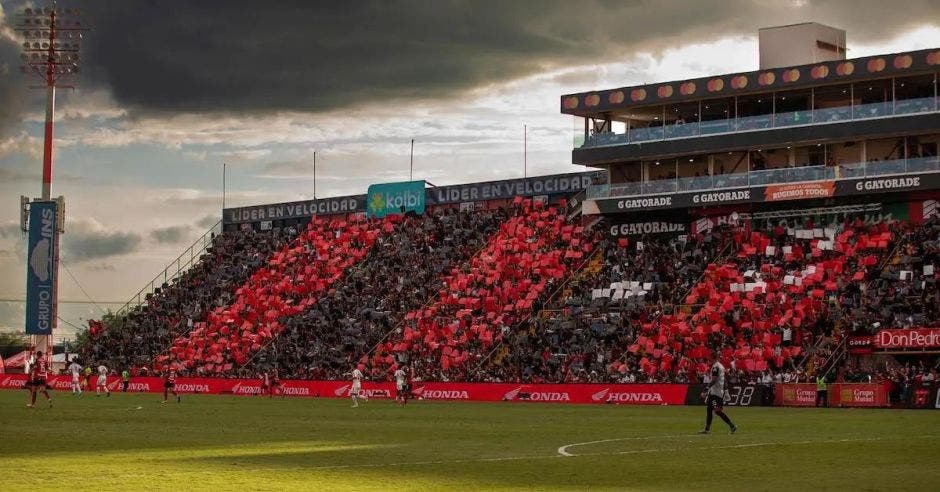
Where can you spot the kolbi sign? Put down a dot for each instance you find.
(42, 267)
(395, 198)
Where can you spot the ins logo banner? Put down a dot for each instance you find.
(41, 269)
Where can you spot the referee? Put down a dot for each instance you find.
(716, 398)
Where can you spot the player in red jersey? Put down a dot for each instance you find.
(38, 372)
(275, 384)
(169, 385)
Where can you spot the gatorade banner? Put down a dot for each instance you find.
(395, 198)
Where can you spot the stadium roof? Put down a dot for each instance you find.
(799, 76)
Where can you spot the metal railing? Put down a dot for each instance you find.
(808, 117)
(174, 269)
(800, 174)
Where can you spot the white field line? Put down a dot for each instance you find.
(612, 453)
(563, 450)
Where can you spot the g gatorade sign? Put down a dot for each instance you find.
(721, 197)
(647, 228)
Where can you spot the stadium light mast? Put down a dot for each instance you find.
(51, 44)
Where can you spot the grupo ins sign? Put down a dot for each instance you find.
(912, 338)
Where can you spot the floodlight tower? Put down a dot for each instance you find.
(51, 44)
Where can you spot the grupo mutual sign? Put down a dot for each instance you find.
(395, 198)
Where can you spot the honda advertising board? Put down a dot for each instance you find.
(41, 269)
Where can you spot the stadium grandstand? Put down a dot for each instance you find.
(783, 221)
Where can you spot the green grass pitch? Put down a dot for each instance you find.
(132, 442)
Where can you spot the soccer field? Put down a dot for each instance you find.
(224, 442)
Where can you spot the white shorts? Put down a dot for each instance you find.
(102, 381)
(74, 379)
(356, 389)
(399, 385)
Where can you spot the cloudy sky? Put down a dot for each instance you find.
(171, 90)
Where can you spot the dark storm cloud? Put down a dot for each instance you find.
(87, 240)
(170, 235)
(255, 56)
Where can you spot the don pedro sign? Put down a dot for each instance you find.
(395, 198)
(41, 269)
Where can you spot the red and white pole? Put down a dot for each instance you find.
(47, 143)
(45, 342)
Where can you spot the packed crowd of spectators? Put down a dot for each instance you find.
(905, 293)
(480, 301)
(402, 271)
(290, 283)
(134, 339)
(773, 309)
(459, 296)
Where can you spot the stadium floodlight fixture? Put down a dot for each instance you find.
(51, 42)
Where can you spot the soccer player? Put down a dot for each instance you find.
(38, 372)
(356, 392)
(275, 384)
(75, 369)
(401, 388)
(88, 372)
(102, 381)
(716, 397)
(169, 385)
(125, 380)
(265, 384)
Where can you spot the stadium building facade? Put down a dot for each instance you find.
(860, 133)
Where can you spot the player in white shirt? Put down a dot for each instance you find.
(75, 369)
(715, 398)
(401, 394)
(356, 392)
(102, 381)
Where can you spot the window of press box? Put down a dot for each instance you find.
(884, 149)
(716, 115)
(630, 172)
(693, 166)
(660, 169)
(923, 146)
(793, 107)
(873, 98)
(755, 111)
(762, 159)
(730, 163)
(914, 94)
